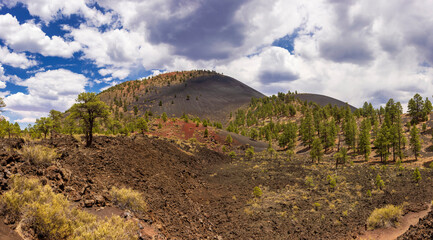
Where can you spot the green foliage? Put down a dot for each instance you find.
(164, 117)
(316, 150)
(249, 153)
(257, 192)
(309, 181)
(89, 108)
(341, 157)
(368, 193)
(229, 140)
(288, 137)
(232, 154)
(416, 175)
(142, 124)
(364, 138)
(44, 125)
(415, 142)
(39, 155)
(387, 216)
(107, 229)
(206, 133)
(380, 184)
(418, 109)
(332, 181)
(307, 129)
(127, 198)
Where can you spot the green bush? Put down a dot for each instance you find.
(387, 216)
(39, 155)
(110, 228)
(128, 198)
(379, 182)
(332, 181)
(416, 175)
(257, 192)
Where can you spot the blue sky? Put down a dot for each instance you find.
(51, 50)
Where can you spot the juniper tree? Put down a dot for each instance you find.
(415, 142)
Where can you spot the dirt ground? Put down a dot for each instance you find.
(196, 193)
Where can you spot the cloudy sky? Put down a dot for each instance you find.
(369, 50)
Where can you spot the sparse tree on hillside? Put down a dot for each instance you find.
(307, 129)
(142, 124)
(44, 125)
(316, 151)
(288, 137)
(382, 143)
(415, 142)
(341, 157)
(164, 117)
(416, 108)
(88, 108)
(364, 138)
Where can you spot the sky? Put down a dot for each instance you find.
(355, 51)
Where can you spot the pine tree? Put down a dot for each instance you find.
(415, 142)
(307, 129)
(382, 143)
(316, 150)
(416, 108)
(364, 138)
(288, 137)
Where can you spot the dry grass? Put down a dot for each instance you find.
(128, 198)
(51, 215)
(383, 217)
(39, 155)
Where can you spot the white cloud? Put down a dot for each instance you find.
(18, 60)
(49, 10)
(30, 37)
(53, 89)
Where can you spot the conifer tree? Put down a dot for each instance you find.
(288, 137)
(415, 142)
(316, 150)
(382, 143)
(307, 129)
(364, 138)
(416, 108)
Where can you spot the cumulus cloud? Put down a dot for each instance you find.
(30, 37)
(50, 10)
(53, 89)
(18, 60)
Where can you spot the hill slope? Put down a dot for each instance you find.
(200, 93)
(322, 100)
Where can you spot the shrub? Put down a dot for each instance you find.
(368, 193)
(232, 154)
(206, 133)
(332, 181)
(257, 192)
(386, 216)
(51, 216)
(316, 206)
(379, 182)
(128, 198)
(416, 175)
(249, 153)
(110, 228)
(309, 181)
(39, 155)
(229, 139)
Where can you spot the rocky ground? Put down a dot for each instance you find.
(196, 193)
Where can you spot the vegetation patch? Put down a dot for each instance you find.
(384, 217)
(39, 155)
(51, 216)
(128, 198)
